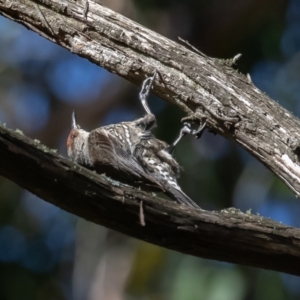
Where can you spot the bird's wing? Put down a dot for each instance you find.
(160, 170)
(109, 157)
(147, 169)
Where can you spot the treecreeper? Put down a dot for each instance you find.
(130, 153)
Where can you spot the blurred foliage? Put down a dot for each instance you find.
(46, 253)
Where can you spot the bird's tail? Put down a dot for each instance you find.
(181, 197)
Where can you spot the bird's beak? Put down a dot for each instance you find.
(74, 123)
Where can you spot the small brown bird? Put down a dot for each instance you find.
(128, 152)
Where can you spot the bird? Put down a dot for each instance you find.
(130, 153)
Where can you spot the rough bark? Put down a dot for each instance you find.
(208, 89)
(205, 88)
(229, 235)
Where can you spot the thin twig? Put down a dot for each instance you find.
(191, 46)
(142, 216)
(43, 19)
(86, 9)
(236, 58)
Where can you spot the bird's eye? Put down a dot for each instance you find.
(73, 136)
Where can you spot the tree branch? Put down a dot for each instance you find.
(207, 88)
(229, 235)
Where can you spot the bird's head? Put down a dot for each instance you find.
(76, 139)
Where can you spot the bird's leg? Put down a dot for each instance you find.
(198, 133)
(146, 87)
(149, 120)
(187, 129)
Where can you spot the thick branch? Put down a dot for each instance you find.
(210, 88)
(229, 235)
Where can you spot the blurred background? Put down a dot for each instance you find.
(46, 253)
